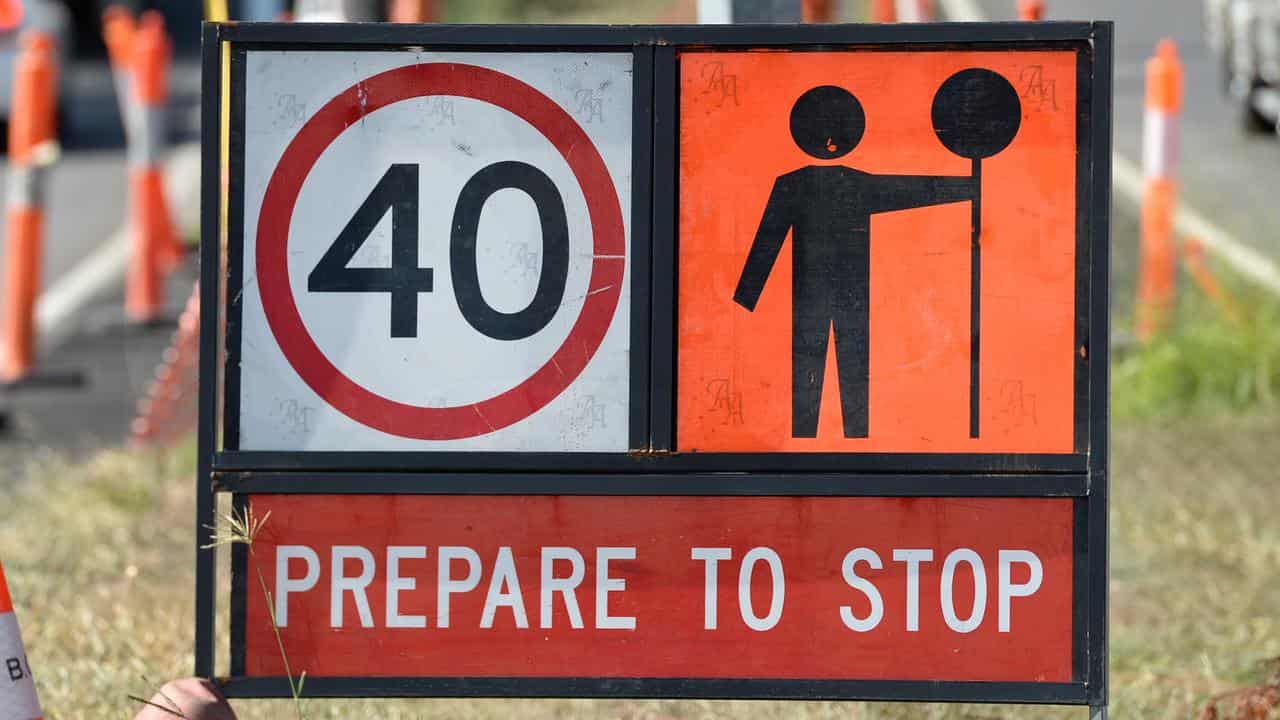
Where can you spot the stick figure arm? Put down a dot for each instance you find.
(901, 192)
(772, 232)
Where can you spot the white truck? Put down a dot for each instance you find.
(1245, 34)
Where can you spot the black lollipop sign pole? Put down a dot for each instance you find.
(976, 114)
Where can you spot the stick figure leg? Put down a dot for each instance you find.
(852, 365)
(810, 332)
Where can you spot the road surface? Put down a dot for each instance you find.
(86, 204)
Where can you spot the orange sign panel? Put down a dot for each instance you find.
(877, 252)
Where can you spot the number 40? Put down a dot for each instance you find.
(397, 191)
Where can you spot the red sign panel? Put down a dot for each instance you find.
(667, 587)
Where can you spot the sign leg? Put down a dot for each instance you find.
(1097, 712)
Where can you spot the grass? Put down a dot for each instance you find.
(99, 560)
(1207, 362)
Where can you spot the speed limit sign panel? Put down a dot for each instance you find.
(435, 251)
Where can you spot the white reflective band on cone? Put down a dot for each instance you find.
(24, 191)
(910, 10)
(130, 107)
(17, 689)
(146, 147)
(123, 84)
(1160, 144)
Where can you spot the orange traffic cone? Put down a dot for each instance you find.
(155, 241)
(1031, 10)
(18, 699)
(156, 50)
(817, 11)
(166, 411)
(32, 148)
(11, 12)
(118, 33)
(1157, 259)
(413, 11)
(883, 11)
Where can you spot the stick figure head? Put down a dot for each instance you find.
(827, 122)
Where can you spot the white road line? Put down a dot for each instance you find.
(62, 300)
(58, 306)
(1187, 221)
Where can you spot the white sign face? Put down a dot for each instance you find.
(436, 251)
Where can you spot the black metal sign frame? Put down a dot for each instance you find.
(653, 467)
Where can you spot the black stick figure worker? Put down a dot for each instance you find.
(827, 209)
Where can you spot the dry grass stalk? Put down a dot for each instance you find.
(242, 529)
(161, 708)
(174, 709)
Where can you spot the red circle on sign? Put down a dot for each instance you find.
(603, 291)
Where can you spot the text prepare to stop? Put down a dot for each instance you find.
(562, 586)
